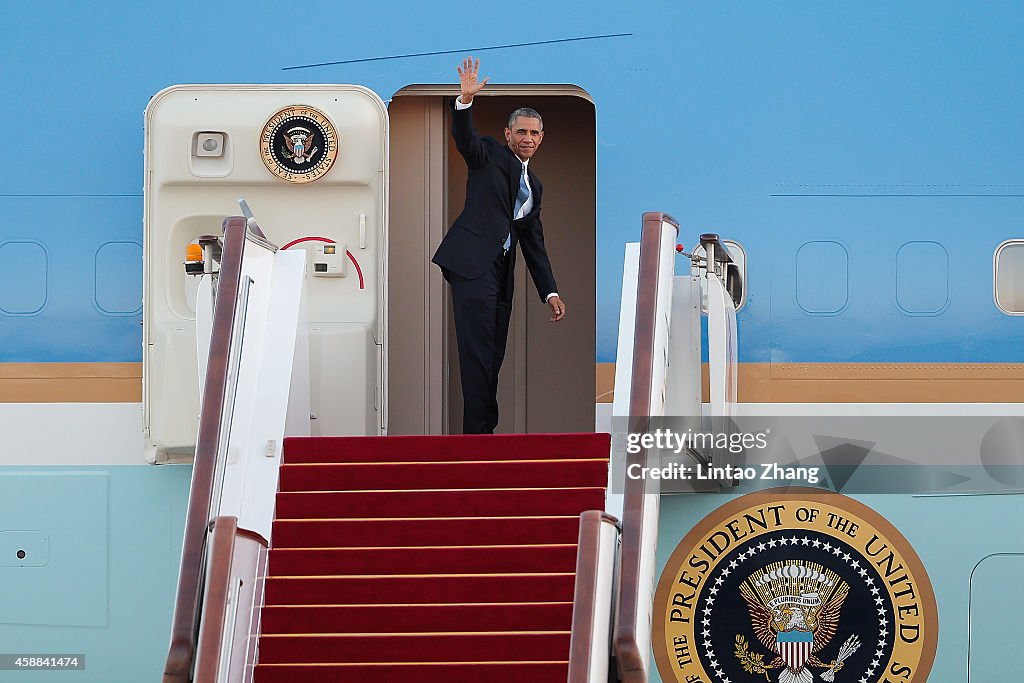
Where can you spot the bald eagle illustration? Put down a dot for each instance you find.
(299, 141)
(794, 611)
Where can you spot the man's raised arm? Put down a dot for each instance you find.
(466, 139)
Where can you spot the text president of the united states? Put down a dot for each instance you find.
(478, 254)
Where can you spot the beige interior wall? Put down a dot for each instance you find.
(561, 357)
(416, 375)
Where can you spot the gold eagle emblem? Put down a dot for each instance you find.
(794, 612)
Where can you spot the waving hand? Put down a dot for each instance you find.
(468, 73)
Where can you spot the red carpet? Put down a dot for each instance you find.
(483, 559)
(434, 559)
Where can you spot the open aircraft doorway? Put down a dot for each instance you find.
(547, 379)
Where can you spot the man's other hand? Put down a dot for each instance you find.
(557, 308)
(468, 73)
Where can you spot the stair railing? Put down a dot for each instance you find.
(648, 372)
(219, 602)
(231, 504)
(590, 643)
(185, 625)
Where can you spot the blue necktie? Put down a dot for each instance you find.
(524, 194)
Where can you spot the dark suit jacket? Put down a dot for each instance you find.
(476, 238)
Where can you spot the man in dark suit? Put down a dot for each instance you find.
(478, 254)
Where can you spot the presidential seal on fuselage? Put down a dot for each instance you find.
(794, 587)
(299, 144)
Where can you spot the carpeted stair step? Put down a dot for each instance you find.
(443, 559)
(368, 590)
(439, 503)
(444, 475)
(486, 559)
(455, 531)
(421, 672)
(414, 647)
(438, 618)
(446, 448)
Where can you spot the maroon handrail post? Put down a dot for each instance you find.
(222, 547)
(631, 661)
(584, 602)
(182, 650)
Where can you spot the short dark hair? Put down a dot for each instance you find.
(525, 112)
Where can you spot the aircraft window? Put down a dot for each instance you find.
(1009, 277)
(740, 258)
(822, 277)
(922, 278)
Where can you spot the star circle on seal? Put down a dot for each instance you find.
(794, 588)
(299, 144)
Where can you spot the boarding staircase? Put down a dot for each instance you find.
(436, 558)
(433, 558)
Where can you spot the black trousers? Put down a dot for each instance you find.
(482, 310)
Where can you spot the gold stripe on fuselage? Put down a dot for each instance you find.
(862, 382)
(758, 382)
(70, 382)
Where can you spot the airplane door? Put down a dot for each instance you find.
(311, 162)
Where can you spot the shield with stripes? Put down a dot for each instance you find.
(794, 647)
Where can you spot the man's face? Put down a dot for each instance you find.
(524, 137)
